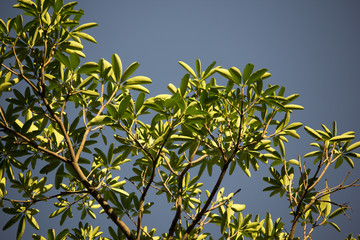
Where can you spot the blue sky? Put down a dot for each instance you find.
(310, 47)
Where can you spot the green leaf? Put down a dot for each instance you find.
(117, 66)
(124, 104)
(238, 207)
(138, 88)
(84, 36)
(180, 138)
(74, 61)
(171, 87)
(57, 212)
(110, 154)
(226, 74)
(85, 26)
(198, 67)
(130, 70)
(334, 226)
(72, 45)
(270, 90)
(137, 80)
(294, 107)
(90, 93)
(342, 138)
(282, 148)
(312, 132)
(349, 161)
(139, 101)
(62, 234)
(187, 68)
(63, 59)
(88, 68)
(256, 76)
(312, 154)
(336, 213)
(247, 71)
(99, 120)
(353, 146)
(236, 74)
(21, 229)
(12, 221)
(32, 221)
(85, 82)
(3, 26)
(184, 84)
(51, 234)
(293, 126)
(268, 224)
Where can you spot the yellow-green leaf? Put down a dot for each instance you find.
(137, 80)
(117, 66)
(90, 92)
(85, 26)
(187, 68)
(238, 207)
(138, 88)
(342, 138)
(99, 120)
(21, 229)
(353, 146)
(84, 36)
(312, 132)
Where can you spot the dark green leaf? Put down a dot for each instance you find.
(12, 221)
(184, 84)
(256, 76)
(247, 71)
(62, 234)
(124, 105)
(21, 228)
(63, 59)
(139, 101)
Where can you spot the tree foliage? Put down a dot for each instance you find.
(61, 112)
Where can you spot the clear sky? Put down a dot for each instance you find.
(310, 47)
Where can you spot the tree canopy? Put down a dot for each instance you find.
(68, 129)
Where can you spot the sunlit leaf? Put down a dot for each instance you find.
(21, 228)
(353, 146)
(342, 138)
(129, 71)
(85, 26)
(312, 132)
(84, 36)
(99, 120)
(117, 66)
(137, 80)
(89, 67)
(188, 68)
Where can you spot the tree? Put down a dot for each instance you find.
(61, 114)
